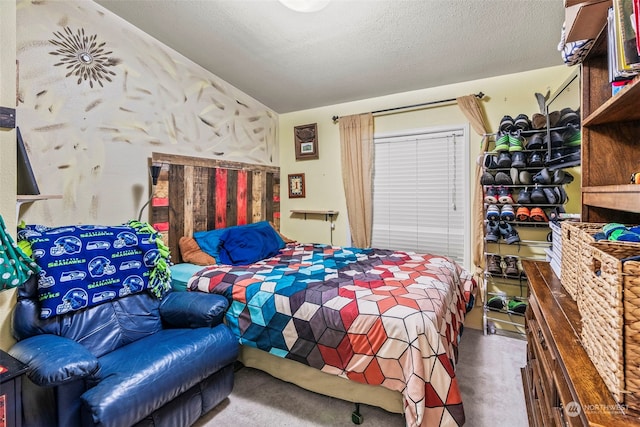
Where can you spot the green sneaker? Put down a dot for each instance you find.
(517, 306)
(516, 142)
(502, 141)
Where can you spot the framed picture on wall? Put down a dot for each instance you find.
(296, 185)
(306, 141)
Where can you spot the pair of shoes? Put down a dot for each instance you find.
(500, 195)
(506, 213)
(546, 196)
(497, 227)
(520, 176)
(508, 124)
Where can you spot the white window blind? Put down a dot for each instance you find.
(420, 193)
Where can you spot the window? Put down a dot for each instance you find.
(421, 192)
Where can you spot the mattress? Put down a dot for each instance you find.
(181, 273)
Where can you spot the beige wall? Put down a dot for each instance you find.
(509, 94)
(89, 139)
(7, 147)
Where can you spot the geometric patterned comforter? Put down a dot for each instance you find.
(374, 316)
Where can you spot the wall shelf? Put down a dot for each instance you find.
(23, 198)
(328, 214)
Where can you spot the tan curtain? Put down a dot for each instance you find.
(472, 109)
(356, 152)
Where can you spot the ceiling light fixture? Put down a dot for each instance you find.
(305, 5)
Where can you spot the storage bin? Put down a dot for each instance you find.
(574, 236)
(610, 312)
(555, 255)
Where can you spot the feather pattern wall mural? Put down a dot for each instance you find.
(97, 96)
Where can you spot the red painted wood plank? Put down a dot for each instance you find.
(242, 198)
(221, 198)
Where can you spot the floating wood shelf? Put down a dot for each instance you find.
(24, 198)
(327, 213)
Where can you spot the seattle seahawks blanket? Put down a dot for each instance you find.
(86, 265)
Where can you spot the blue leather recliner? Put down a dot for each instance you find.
(132, 361)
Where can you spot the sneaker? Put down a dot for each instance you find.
(538, 121)
(551, 195)
(535, 159)
(517, 306)
(497, 302)
(572, 137)
(560, 177)
(538, 197)
(543, 177)
(568, 116)
(491, 195)
(506, 124)
(516, 142)
(487, 179)
(508, 233)
(518, 160)
(553, 138)
(504, 160)
(515, 176)
(507, 214)
(525, 178)
(493, 213)
(524, 197)
(493, 233)
(493, 264)
(522, 122)
(538, 215)
(502, 142)
(491, 161)
(511, 268)
(536, 141)
(502, 178)
(523, 214)
(504, 195)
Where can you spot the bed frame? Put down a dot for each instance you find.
(196, 194)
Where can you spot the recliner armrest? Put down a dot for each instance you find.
(54, 360)
(193, 309)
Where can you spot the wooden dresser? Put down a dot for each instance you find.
(561, 385)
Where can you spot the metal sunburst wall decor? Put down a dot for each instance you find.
(83, 56)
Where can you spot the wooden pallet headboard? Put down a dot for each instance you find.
(198, 194)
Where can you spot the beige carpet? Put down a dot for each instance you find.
(488, 374)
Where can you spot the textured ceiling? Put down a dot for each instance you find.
(352, 49)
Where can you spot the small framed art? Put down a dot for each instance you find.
(306, 141)
(296, 185)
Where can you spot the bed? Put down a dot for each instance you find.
(369, 326)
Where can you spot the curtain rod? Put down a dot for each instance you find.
(478, 95)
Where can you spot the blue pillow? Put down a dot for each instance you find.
(209, 241)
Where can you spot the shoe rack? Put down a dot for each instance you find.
(527, 173)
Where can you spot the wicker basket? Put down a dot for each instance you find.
(610, 300)
(574, 236)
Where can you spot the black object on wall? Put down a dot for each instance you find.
(26, 180)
